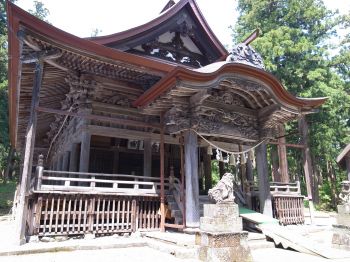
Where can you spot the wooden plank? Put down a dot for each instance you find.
(118, 214)
(79, 214)
(108, 213)
(63, 213)
(113, 213)
(46, 214)
(38, 215)
(128, 213)
(123, 214)
(51, 214)
(69, 213)
(98, 215)
(85, 225)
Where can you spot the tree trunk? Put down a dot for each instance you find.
(8, 171)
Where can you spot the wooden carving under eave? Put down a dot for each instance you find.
(212, 121)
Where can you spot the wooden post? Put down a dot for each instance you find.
(282, 155)
(85, 152)
(147, 157)
(183, 200)
(207, 170)
(21, 212)
(263, 177)
(73, 159)
(242, 167)
(60, 163)
(221, 169)
(162, 193)
(276, 176)
(191, 171)
(39, 171)
(65, 161)
(347, 159)
(307, 164)
(250, 175)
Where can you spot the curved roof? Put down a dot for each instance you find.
(213, 71)
(162, 18)
(18, 18)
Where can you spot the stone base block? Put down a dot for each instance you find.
(221, 210)
(223, 246)
(221, 224)
(341, 237)
(343, 217)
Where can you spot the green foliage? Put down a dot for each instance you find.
(7, 192)
(295, 44)
(40, 11)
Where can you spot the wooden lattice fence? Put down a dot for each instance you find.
(73, 214)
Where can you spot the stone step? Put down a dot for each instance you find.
(260, 244)
(173, 249)
(259, 241)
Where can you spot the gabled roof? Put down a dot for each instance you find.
(132, 37)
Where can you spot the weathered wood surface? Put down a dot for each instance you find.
(263, 178)
(73, 214)
(282, 155)
(288, 210)
(21, 212)
(191, 176)
(62, 181)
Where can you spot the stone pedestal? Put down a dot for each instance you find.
(341, 235)
(221, 237)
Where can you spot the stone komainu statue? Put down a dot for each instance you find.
(223, 191)
(344, 195)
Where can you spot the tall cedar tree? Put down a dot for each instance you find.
(296, 47)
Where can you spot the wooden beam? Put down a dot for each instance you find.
(251, 37)
(97, 117)
(286, 144)
(21, 211)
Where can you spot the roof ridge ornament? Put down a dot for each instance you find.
(245, 54)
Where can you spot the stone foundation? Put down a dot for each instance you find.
(221, 237)
(341, 235)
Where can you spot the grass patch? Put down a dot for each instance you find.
(7, 192)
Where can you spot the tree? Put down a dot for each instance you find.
(295, 46)
(40, 11)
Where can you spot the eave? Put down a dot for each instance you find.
(183, 74)
(18, 18)
(171, 12)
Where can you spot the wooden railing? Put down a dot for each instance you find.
(275, 188)
(54, 181)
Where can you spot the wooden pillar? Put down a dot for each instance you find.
(307, 164)
(21, 212)
(207, 170)
(282, 155)
(162, 193)
(60, 163)
(347, 162)
(85, 152)
(250, 175)
(242, 167)
(221, 169)
(65, 161)
(191, 172)
(263, 178)
(147, 157)
(73, 160)
(276, 176)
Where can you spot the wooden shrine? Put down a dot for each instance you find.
(116, 132)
